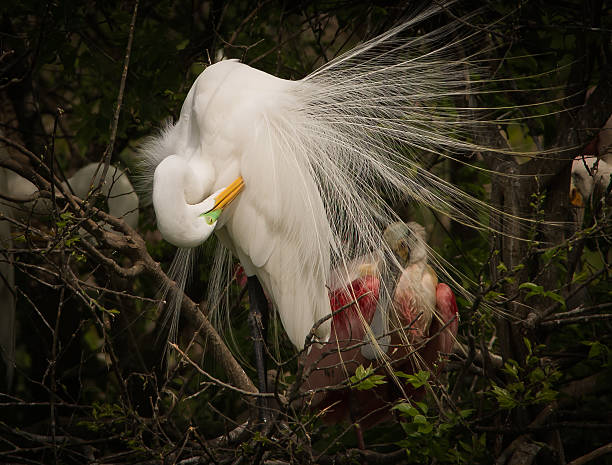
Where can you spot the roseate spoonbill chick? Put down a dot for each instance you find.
(416, 287)
(331, 365)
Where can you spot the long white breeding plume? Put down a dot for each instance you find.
(320, 158)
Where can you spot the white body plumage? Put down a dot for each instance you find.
(589, 174)
(228, 127)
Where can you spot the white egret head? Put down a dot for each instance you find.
(182, 218)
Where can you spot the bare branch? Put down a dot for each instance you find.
(106, 158)
(606, 449)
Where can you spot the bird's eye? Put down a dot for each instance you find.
(211, 217)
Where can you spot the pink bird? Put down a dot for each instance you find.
(424, 313)
(422, 305)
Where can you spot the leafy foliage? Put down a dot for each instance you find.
(365, 378)
(90, 382)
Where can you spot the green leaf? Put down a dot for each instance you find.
(417, 380)
(423, 406)
(504, 398)
(511, 368)
(528, 345)
(556, 297)
(537, 375)
(493, 296)
(365, 378)
(181, 45)
(406, 409)
(425, 428)
(72, 240)
(533, 288)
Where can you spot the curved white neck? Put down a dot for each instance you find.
(178, 221)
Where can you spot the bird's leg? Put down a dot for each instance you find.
(258, 322)
(355, 421)
(359, 434)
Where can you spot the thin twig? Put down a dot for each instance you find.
(592, 455)
(218, 381)
(106, 158)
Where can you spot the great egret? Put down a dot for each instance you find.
(317, 158)
(589, 174)
(423, 331)
(120, 199)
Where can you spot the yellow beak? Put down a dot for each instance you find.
(575, 198)
(228, 194)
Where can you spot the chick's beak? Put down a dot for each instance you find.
(228, 194)
(434, 276)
